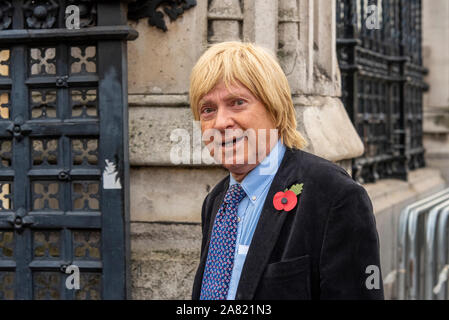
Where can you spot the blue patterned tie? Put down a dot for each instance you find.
(220, 259)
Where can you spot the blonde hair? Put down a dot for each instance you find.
(259, 72)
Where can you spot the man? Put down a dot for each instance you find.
(285, 224)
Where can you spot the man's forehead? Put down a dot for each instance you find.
(222, 90)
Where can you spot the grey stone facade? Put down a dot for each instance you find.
(166, 199)
(164, 258)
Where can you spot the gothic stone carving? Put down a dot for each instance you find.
(40, 14)
(5, 14)
(148, 9)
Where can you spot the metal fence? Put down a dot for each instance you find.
(422, 262)
(63, 130)
(380, 57)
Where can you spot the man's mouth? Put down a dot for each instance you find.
(232, 142)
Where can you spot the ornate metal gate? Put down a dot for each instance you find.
(63, 149)
(379, 52)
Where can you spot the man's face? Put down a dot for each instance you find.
(238, 116)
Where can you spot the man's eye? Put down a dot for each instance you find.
(239, 102)
(207, 110)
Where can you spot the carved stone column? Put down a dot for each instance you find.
(435, 23)
(260, 23)
(225, 20)
(306, 47)
(324, 45)
(307, 54)
(292, 51)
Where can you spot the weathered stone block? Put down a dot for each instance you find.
(164, 259)
(160, 62)
(170, 194)
(329, 130)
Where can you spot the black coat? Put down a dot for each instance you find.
(318, 250)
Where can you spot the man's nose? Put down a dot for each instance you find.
(223, 120)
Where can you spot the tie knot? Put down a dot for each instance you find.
(235, 194)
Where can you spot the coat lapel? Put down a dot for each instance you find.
(215, 206)
(267, 231)
(217, 202)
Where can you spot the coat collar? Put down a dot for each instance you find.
(268, 228)
(261, 177)
(281, 152)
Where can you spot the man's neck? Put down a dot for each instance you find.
(240, 176)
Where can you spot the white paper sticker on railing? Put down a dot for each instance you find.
(110, 180)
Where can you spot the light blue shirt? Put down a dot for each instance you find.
(256, 185)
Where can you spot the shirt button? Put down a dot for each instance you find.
(238, 219)
(254, 198)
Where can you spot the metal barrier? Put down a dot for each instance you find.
(422, 260)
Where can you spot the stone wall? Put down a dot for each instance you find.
(166, 199)
(164, 259)
(158, 75)
(436, 101)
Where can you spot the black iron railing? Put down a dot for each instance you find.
(380, 57)
(63, 138)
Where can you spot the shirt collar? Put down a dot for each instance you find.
(261, 176)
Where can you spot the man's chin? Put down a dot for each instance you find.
(233, 162)
(239, 169)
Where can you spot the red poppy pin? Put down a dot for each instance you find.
(288, 199)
